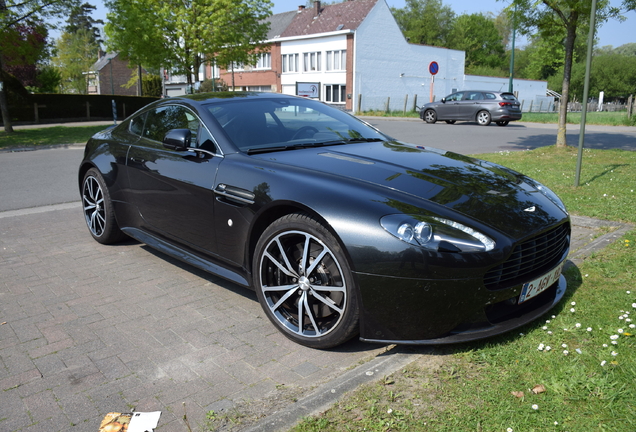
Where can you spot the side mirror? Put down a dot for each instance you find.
(443, 100)
(177, 139)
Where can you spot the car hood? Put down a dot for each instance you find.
(493, 195)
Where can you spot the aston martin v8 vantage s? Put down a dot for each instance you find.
(340, 229)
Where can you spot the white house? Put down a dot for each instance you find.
(353, 55)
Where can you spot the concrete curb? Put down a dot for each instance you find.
(329, 393)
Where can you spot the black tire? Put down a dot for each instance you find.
(450, 121)
(483, 118)
(502, 123)
(429, 116)
(299, 269)
(98, 209)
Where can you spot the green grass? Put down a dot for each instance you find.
(592, 118)
(487, 386)
(48, 136)
(595, 118)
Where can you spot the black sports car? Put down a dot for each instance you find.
(339, 228)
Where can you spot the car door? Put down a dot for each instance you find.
(449, 109)
(470, 104)
(173, 189)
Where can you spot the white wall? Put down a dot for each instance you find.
(308, 45)
(382, 55)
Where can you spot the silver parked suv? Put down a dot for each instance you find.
(482, 106)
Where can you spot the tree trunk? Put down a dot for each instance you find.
(4, 107)
(567, 72)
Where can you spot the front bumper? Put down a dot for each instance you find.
(418, 312)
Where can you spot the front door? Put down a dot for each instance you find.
(174, 188)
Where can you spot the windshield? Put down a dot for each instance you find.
(261, 125)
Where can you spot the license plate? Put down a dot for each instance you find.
(537, 286)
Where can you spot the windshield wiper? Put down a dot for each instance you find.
(310, 144)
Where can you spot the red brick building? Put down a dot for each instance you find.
(110, 74)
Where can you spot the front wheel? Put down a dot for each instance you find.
(304, 283)
(502, 123)
(98, 209)
(430, 116)
(483, 118)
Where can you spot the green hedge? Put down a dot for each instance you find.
(53, 108)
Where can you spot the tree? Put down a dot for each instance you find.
(13, 12)
(612, 73)
(77, 49)
(242, 36)
(477, 35)
(561, 19)
(24, 46)
(76, 53)
(181, 35)
(427, 22)
(81, 19)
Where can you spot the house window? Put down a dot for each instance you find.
(237, 66)
(335, 93)
(264, 61)
(336, 60)
(290, 63)
(311, 62)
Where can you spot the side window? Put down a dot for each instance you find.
(161, 120)
(193, 125)
(473, 96)
(489, 96)
(205, 141)
(137, 124)
(455, 97)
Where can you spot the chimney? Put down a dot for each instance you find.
(316, 8)
(301, 8)
(100, 53)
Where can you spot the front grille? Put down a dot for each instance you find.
(530, 259)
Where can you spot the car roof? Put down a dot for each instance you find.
(219, 97)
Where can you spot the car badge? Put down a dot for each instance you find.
(530, 209)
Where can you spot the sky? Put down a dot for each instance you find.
(611, 33)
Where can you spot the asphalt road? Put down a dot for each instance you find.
(49, 176)
(470, 138)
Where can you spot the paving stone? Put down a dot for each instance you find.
(120, 327)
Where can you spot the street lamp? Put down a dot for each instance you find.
(512, 54)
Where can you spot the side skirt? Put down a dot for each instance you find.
(185, 256)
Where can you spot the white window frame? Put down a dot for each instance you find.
(264, 62)
(290, 63)
(312, 61)
(336, 60)
(340, 92)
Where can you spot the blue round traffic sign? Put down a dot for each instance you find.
(433, 68)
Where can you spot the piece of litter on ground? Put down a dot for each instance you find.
(130, 422)
(144, 421)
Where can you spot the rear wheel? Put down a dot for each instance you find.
(430, 116)
(304, 283)
(98, 209)
(483, 118)
(502, 123)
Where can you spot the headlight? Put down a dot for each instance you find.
(548, 193)
(435, 233)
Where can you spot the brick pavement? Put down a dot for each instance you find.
(88, 329)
